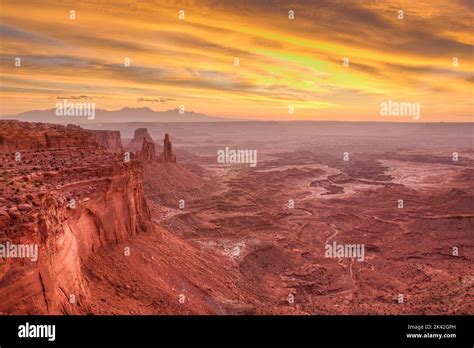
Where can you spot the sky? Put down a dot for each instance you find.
(245, 59)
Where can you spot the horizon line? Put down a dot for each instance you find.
(233, 119)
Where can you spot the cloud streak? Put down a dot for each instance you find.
(228, 57)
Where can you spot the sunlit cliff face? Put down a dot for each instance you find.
(311, 60)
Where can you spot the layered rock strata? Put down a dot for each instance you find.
(65, 194)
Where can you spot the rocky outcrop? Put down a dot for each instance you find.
(84, 209)
(42, 136)
(66, 201)
(148, 152)
(167, 155)
(110, 140)
(136, 144)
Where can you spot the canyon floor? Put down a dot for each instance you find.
(236, 239)
(273, 250)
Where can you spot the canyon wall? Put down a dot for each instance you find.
(110, 140)
(41, 136)
(70, 197)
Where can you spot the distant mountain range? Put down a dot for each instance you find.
(117, 116)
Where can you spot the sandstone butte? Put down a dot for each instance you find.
(147, 153)
(69, 191)
(137, 141)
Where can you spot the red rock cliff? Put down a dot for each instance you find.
(110, 140)
(148, 152)
(41, 136)
(70, 197)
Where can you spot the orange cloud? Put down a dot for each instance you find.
(240, 59)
